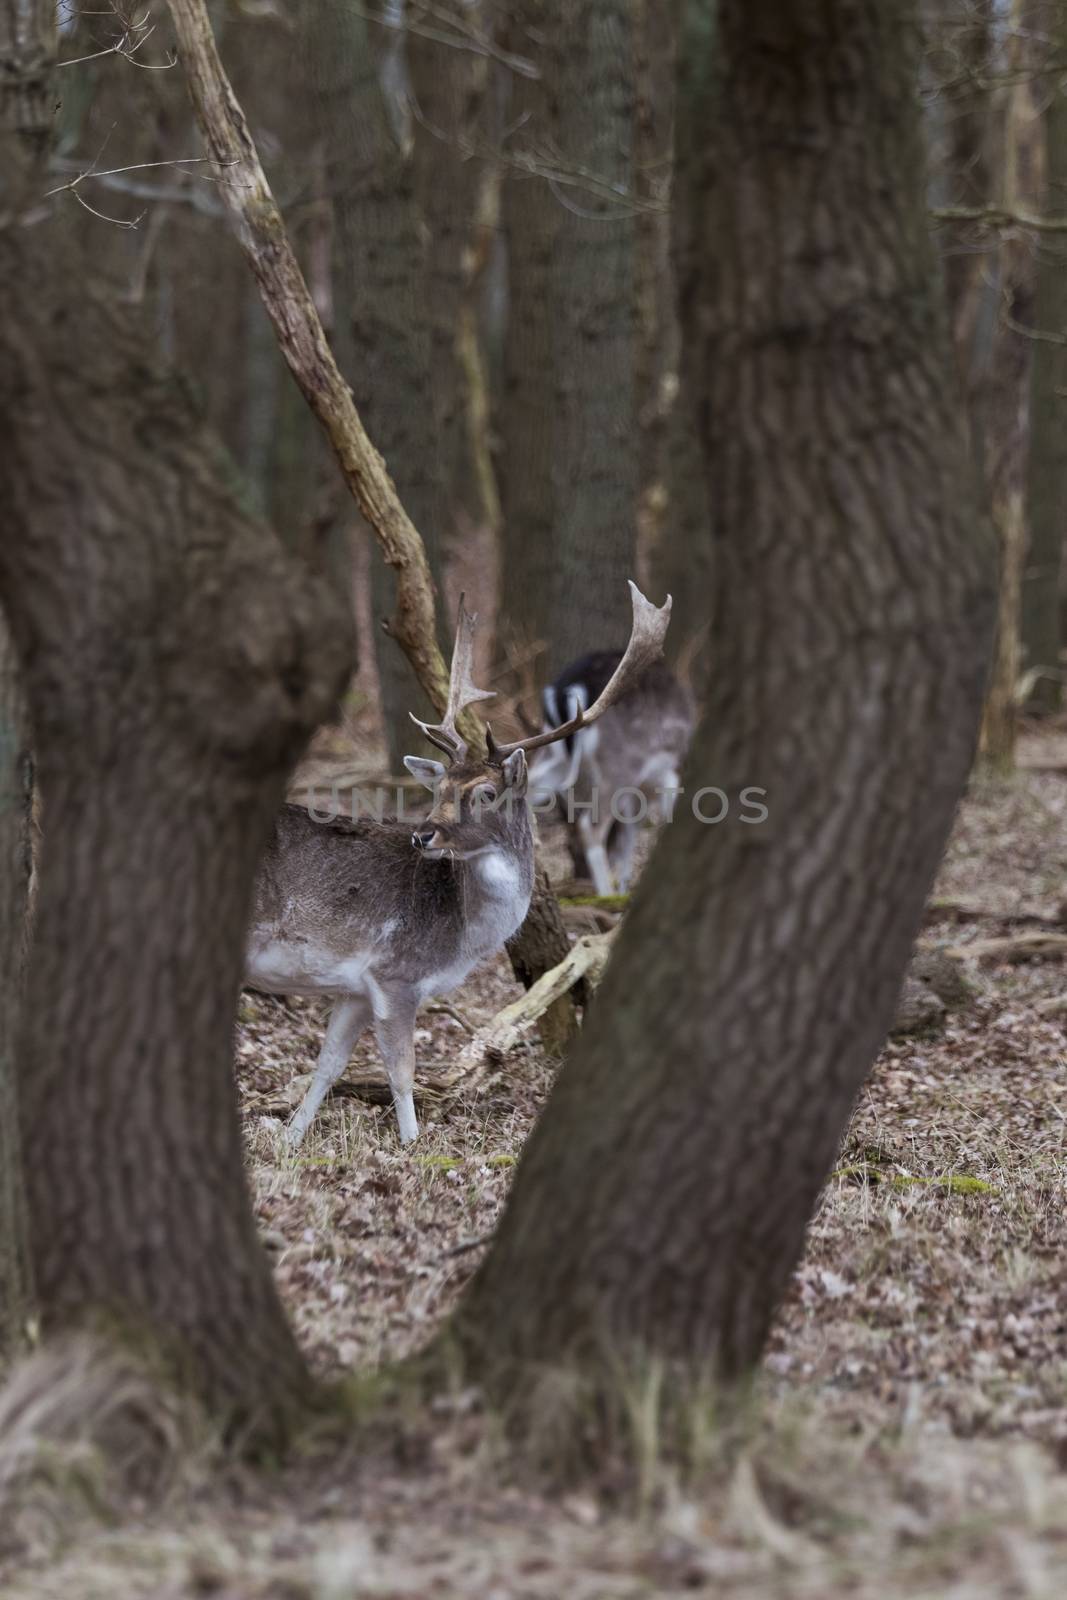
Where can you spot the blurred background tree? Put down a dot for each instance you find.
(481, 197)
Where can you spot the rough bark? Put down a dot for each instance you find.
(661, 1204)
(174, 662)
(1046, 468)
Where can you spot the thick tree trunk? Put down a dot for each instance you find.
(1046, 470)
(174, 661)
(661, 1203)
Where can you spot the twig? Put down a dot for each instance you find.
(136, 166)
(462, 1248)
(445, 1008)
(999, 217)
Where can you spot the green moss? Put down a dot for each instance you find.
(955, 1183)
(603, 902)
(442, 1163)
(500, 1161)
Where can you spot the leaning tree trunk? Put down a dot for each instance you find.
(1046, 474)
(174, 662)
(661, 1203)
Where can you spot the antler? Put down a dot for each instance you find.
(461, 691)
(645, 646)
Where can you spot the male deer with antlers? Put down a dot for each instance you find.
(379, 917)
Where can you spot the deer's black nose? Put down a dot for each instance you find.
(421, 838)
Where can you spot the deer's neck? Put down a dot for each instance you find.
(495, 887)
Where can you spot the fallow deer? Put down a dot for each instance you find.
(604, 777)
(380, 917)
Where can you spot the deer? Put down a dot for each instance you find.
(603, 777)
(379, 916)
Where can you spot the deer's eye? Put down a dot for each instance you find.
(484, 794)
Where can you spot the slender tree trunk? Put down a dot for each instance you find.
(662, 1201)
(174, 661)
(531, 218)
(1046, 467)
(449, 86)
(593, 297)
(27, 109)
(682, 559)
(15, 792)
(656, 344)
(382, 331)
(1000, 391)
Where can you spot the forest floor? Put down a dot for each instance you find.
(909, 1436)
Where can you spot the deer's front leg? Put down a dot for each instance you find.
(347, 1021)
(394, 1029)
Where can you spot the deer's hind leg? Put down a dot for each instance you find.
(347, 1021)
(394, 1029)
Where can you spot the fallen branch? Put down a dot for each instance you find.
(585, 961)
(262, 236)
(975, 911)
(1013, 947)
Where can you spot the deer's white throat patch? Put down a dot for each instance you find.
(499, 874)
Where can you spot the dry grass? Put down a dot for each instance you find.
(910, 1437)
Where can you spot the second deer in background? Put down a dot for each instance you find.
(607, 776)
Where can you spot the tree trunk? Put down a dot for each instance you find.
(593, 297)
(27, 108)
(531, 219)
(15, 792)
(174, 662)
(1001, 391)
(382, 333)
(449, 86)
(682, 559)
(1046, 467)
(661, 1204)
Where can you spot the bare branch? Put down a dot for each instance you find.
(136, 166)
(463, 36)
(999, 217)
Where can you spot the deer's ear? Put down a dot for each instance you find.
(428, 772)
(515, 772)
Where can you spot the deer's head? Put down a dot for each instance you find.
(478, 806)
(481, 805)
